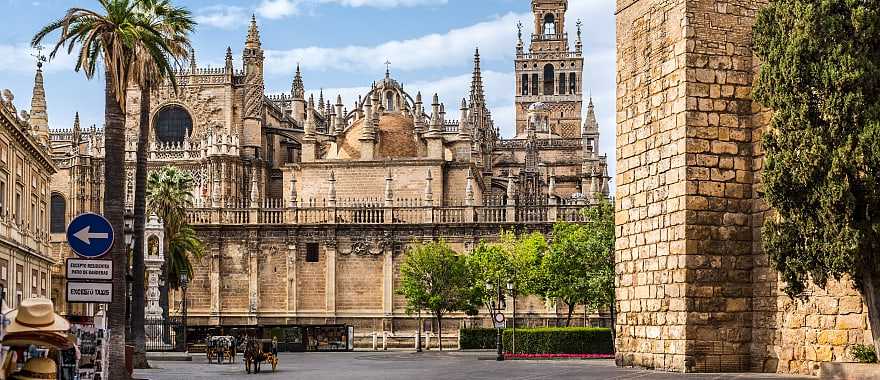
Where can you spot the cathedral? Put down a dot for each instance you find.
(307, 206)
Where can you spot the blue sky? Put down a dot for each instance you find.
(342, 46)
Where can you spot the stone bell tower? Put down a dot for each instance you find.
(550, 72)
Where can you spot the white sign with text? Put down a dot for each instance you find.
(94, 270)
(92, 292)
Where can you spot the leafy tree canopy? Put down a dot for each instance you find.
(820, 74)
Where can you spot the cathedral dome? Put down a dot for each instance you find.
(396, 138)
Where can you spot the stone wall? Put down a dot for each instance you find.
(651, 140)
(696, 292)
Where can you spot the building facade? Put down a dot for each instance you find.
(25, 169)
(695, 291)
(307, 206)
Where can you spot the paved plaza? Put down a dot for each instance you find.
(409, 365)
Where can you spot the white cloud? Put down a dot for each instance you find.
(222, 16)
(496, 40)
(384, 3)
(19, 57)
(275, 9)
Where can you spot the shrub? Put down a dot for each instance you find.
(477, 338)
(863, 353)
(560, 340)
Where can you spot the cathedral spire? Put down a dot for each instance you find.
(192, 60)
(297, 90)
(253, 36)
(477, 95)
(39, 119)
(591, 126)
(229, 59)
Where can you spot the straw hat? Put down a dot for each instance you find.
(37, 369)
(36, 314)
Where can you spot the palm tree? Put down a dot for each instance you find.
(175, 24)
(169, 195)
(114, 38)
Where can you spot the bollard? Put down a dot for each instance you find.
(384, 340)
(375, 341)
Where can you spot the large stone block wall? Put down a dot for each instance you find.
(695, 290)
(651, 141)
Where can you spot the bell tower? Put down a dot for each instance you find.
(550, 72)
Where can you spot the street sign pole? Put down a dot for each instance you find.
(89, 278)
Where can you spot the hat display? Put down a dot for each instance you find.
(37, 369)
(36, 314)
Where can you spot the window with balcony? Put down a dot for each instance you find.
(549, 25)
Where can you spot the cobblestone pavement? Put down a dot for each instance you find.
(410, 365)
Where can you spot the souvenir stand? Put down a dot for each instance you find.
(29, 341)
(91, 336)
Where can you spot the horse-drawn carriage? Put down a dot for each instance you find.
(257, 351)
(220, 349)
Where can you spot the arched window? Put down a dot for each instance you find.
(549, 25)
(173, 124)
(562, 87)
(57, 214)
(549, 75)
(572, 83)
(389, 101)
(525, 84)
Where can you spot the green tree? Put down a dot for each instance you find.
(111, 36)
(513, 259)
(174, 24)
(820, 74)
(578, 269)
(434, 278)
(169, 195)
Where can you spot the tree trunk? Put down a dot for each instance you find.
(570, 312)
(871, 294)
(138, 299)
(440, 331)
(114, 204)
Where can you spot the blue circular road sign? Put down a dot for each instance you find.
(90, 235)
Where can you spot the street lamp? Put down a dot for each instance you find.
(511, 288)
(184, 283)
(495, 309)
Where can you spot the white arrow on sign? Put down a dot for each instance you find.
(86, 236)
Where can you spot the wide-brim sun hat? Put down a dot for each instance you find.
(37, 369)
(35, 314)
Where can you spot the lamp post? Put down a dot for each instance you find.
(511, 288)
(184, 283)
(495, 309)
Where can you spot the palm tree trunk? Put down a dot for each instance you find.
(114, 204)
(138, 301)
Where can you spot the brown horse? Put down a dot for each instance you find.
(257, 351)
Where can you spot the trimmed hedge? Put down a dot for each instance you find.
(560, 340)
(476, 338)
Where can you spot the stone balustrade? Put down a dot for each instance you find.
(378, 214)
